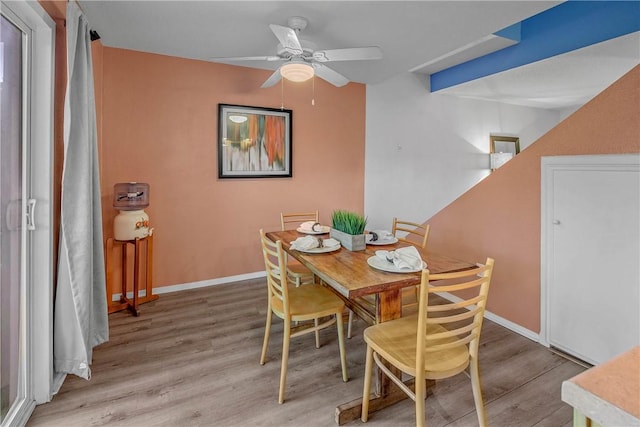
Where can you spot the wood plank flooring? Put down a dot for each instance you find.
(192, 359)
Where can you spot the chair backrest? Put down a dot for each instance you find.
(452, 324)
(276, 267)
(292, 221)
(419, 232)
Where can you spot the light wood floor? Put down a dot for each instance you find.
(192, 359)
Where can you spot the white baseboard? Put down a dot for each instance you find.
(499, 320)
(195, 285)
(19, 414)
(230, 279)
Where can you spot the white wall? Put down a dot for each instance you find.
(424, 150)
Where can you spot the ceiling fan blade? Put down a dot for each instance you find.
(288, 38)
(273, 79)
(247, 58)
(330, 75)
(350, 54)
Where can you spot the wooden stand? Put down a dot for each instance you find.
(130, 304)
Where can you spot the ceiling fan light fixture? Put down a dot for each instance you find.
(297, 71)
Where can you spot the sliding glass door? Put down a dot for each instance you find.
(25, 243)
(12, 213)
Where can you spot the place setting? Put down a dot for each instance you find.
(380, 238)
(310, 227)
(401, 260)
(315, 245)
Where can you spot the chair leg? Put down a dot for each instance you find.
(349, 325)
(477, 392)
(265, 342)
(366, 391)
(343, 353)
(420, 390)
(315, 322)
(285, 359)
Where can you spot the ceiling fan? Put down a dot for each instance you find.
(301, 58)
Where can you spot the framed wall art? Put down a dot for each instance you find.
(503, 149)
(254, 142)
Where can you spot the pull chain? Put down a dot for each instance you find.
(282, 93)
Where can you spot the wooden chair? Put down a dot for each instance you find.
(298, 273)
(293, 304)
(418, 235)
(291, 221)
(440, 341)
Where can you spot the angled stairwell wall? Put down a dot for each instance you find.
(500, 216)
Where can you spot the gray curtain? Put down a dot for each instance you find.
(80, 318)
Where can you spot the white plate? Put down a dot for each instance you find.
(384, 265)
(382, 242)
(325, 230)
(320, 250)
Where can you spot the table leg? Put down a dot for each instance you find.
(136, 278)
(149, 279)
(149, 273)
(123, 302)
(108, 267)
(123, 294)
(132, 304)
(388, 307)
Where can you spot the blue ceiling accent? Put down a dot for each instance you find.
(571, 25)
(512, 32)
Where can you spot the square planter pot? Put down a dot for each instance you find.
(349, 241)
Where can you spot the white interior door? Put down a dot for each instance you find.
(592, 220)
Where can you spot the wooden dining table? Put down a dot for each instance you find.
(350, 276)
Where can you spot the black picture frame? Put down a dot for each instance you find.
(254, 142)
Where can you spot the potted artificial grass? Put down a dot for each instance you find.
(348, 228)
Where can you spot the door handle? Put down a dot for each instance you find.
(31, 213)
(556, 222)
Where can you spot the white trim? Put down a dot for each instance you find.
(19, 416)
(210, 282)
(41, 158)
(196, 285)
(258, 274)
(498, 319)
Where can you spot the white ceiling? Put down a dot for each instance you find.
(563, 81)
(410, 33)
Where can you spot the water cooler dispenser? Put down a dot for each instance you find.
(130, 198)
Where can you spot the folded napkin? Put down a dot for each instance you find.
(379, 235)
(310, 242)
(403, 258)
(312, 226)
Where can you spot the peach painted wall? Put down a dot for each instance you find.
(500, 217)
(159, 125)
